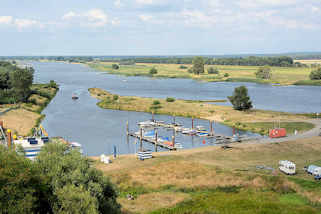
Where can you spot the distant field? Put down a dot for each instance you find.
(309, 61)
(280, 75)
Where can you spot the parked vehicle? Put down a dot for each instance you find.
(317, 177)
(311, 169)
(287, 167)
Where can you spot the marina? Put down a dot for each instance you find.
(102, 128)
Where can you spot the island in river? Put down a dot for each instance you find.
(259, 121)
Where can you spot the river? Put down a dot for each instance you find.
(98, 130)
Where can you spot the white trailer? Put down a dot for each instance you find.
(287, 167)
(311, 169)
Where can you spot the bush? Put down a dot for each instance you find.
(170, 99)
(226, 75)
(212, 70)
(264, 73)
(115, 66)
(316, 74)
(183, 67)
(153, 71)
(53, 84)
(156, 102)
(190, 70)
(115, 97)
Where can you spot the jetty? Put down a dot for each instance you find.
(152, 141)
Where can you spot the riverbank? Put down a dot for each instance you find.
(227, 73)
(211, 179)
(259, 121)
(23, 117)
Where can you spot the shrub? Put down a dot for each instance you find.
(153, 71)
(53, 84)
(183, 67)
(226, 75)
(115, 66)
(316, 74)
(170, 99)
(264, 72)
(115, 97)
(190, 70)
(156, 102)
(212, 70)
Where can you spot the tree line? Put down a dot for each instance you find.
(282, 61)
(15, 83)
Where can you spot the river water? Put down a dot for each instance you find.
(98, 130)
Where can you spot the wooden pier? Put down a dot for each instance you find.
(152, 141)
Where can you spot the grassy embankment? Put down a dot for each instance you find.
(213, 180)
(25, 116)
(259, 121)
(280, 75)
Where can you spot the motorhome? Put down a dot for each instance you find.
(287, 167)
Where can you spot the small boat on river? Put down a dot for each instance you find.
(74, 97)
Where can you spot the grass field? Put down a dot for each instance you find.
(28, 115)
(213, 180)
(254, 120)
(280, 75)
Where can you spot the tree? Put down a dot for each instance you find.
(115, 66)
(198, 65)
(316, 74)
(212, 70)
(240, 99)
(23, 189)
(60, 180)
(68, 168)
(4, 79)
(264, 72)
(21, 81)
(153, 71)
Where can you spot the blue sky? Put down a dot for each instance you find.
(158, 27)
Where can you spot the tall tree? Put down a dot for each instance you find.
(240, 99)
(21, 81)
(198, 65)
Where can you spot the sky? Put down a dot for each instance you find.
(158, 27)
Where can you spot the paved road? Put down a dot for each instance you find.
(311, 133)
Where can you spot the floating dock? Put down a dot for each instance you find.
(152, 141)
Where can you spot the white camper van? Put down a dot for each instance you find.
(287, 167)
(317, 171)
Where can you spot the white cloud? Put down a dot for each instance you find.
(69, 15)
(6, 19)
(196, 17)
(145, 18)
(27, 23)
(94, 17)
(145, 1)
(266, 3)
(115, 21)
(118, 3)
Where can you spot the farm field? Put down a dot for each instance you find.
(210, 179)
(280, 75)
